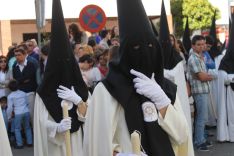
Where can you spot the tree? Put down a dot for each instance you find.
(199, 13)
(176, 10)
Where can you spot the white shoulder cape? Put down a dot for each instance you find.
(177, 76)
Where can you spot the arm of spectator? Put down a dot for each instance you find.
(202, 76)
(5, 81)
(9, 107)
(197, 70)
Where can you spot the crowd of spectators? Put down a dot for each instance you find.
(21, 72)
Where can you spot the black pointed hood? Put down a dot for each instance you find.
(186, 37)
(171, 56)
(154, 29)
(128, 26)
(61, 69)
(139, 50)
(227, 63)
(214, 51)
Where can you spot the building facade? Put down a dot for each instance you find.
(18, 20)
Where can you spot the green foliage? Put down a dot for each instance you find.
(176, 10)
(199, 12)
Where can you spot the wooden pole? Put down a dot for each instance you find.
(67, 133)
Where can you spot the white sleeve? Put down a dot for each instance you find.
(51, 128)
(175, 124)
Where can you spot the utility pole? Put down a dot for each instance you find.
(40, 18)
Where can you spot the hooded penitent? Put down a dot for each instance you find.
(186, 37)
(214, 49)
(170, 55)
(61, 69)
(227, 63)
(139, 50)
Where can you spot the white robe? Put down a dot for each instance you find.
(5, 149)
(218, 60)
(212, 105)
(177, 76)
(214, 92)
(225, 125)
(106, 129)
(47, 142)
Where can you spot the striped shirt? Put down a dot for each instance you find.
(196, 65)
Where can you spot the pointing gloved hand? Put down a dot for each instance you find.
(68, 94)
(150, 89)
(64, 125)
(129, 154)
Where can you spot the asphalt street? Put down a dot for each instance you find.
(218, 149)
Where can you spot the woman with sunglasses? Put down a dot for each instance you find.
(4, 76)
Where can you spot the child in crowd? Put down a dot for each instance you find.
(17, 103)
(3, 103)
(90, 74)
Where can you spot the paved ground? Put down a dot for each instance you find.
(219, 149)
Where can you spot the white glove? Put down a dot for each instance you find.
(129, 154)
(150, 89)
(64, 125)
(68, 94)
